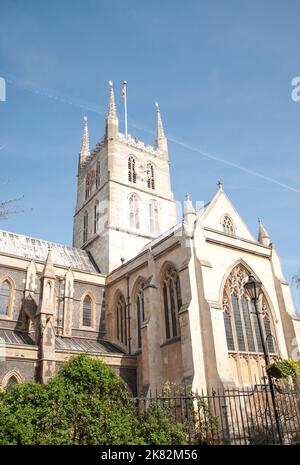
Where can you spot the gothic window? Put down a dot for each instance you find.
(150, 176)
(89, 182)
(85, 226)
(134, 214)
(140, 314)
(98, 174)
(87, 188)
(5, 294)
(153, 217)
(96, 217)
(228, 226)
(171, 302)
(11, 383)
(131, 170)
(121, 320)
(240, 320)
(87, 312)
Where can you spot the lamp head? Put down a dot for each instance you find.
(252, 287)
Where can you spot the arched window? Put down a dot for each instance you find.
(87, 188)
(5, 294)
(140, 312)
(153, 216)
(228, 226)
(150, 176)
(134, 214)
(172, 301)
(87, 311)
(11, 383)
(85, 226)
(121, 320)
(240, 320)
(131, 170)
(89, 182)
(96, 217)
(98, 174)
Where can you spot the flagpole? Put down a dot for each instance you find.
(125, 107)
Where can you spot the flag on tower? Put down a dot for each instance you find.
(124, 90)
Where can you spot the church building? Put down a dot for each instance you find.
(157, 297)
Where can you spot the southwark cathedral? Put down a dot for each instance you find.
(157, 297)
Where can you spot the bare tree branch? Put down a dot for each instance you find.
(6, 210)
(296, 279)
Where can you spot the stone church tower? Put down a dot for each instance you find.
(124, 196)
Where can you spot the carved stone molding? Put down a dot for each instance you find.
(226, 304)
(133, 142)
(236, 280)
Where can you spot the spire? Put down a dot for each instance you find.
(112, 123)
(263, 236)
(161, 140)
(190, 217)
(188, 207)
(112, 112)
(85, 144)
(48, 271)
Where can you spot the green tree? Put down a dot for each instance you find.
(85, 403)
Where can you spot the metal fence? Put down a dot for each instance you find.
(231, 416)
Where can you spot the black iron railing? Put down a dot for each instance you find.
(231, 416)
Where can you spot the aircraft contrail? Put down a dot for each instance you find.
(211, 156)
(234, 165)
(32, 87)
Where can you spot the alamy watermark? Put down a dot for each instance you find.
(2, 89)
(295, 94)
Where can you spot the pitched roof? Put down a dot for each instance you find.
(69, 344)
(78, 344)
(37, 249)
(230, 209)
(9, 336)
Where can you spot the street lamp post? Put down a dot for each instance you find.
(252, 288)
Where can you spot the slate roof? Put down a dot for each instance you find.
(74, 344)
(37, 249)
(9, 336)
(86, 345)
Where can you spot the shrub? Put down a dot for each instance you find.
(85, 403)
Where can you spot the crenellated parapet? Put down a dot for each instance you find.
(129, 141)
(140, 145)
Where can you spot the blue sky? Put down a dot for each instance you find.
(221, 71)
